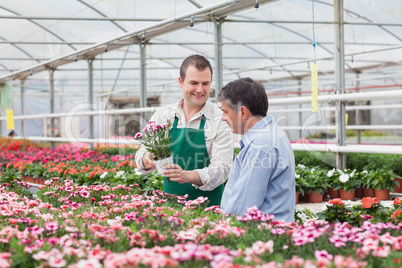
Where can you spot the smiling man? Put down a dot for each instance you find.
(263, 173)
(202, 146)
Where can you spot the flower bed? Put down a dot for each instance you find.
(116, 226)
(100, 211)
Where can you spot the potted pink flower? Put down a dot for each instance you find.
(156, 139)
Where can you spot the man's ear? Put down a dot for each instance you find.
(245, 112)
(180, 81)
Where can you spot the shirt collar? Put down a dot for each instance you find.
(206, 110)
(259, 125)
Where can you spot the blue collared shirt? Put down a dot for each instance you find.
(262, 174)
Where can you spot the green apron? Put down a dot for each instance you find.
(190, 152)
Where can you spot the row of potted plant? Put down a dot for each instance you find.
(316, 180)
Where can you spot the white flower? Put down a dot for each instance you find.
(312, 170)
(344, 178)
(331, 173)
(364, 172)
(119, 173)
(300, 165)
(103, 175)
(137, 172)
(353, 173)
(297, 176)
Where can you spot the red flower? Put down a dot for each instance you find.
(367, 202)
(397, 201)
(397, 213)
(336, 201)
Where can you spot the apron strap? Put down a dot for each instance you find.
(202, 124)
(176, 119)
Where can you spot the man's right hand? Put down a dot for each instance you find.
(148, 162)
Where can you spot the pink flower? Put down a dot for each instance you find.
(90, 263)
(382, 252)
(51, 226)
(69, 188)
(188, 235)
(84, 194)
(322, 254)
(41, 255)
(6, 213)
(56, 262)
(138, 136)
(4, 263)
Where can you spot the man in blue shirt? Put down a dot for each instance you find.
(263, 173)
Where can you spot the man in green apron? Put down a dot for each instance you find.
(202, 145)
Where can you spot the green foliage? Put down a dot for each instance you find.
(358, 161)
(381, 179)
(117, 150)
(320, 159)
(313, 179)
(355, 215)
(304, 214)
(346, 179)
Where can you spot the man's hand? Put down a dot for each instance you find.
(177, 174)
(148, 162)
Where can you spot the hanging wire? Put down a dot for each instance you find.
(314, 43)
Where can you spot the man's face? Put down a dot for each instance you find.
(231, 118)
(196, 86)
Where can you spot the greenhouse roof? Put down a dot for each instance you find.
(272, 43)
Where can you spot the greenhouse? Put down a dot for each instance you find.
(80, 81)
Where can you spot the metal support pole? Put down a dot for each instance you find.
(358, 131)
(22, 81)
(91, 101)
(143, 96)
(51, 81)
(218, 55)
(340, 81)
(300, 113)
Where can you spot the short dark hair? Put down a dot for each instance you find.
(245, 92)
(198, 61)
